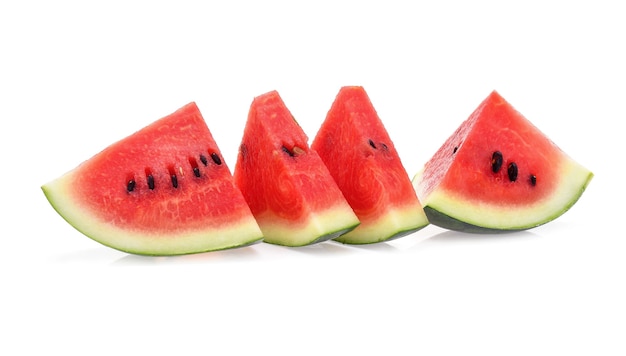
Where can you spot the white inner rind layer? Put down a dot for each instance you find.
(574, 178)
(286, 232)
(241, 233)
(395, 221)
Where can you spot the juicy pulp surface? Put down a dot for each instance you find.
(459, 181)
(286, 185)
(163, 190)
(362, 159)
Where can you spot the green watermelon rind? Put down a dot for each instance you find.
(328, 236)
(318, 227)
(396, 235)
(449, 211)
(395, 223)
(58, 194)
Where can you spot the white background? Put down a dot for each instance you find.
(74, 77)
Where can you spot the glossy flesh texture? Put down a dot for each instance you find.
(164, 190)
(357, 149)
(288, 188)
(498, 172)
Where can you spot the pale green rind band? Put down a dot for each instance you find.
(320, 226)
(392, 225)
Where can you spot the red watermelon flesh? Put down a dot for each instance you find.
(361, 157)
(498, 172)
(287, 186)
(164, 190)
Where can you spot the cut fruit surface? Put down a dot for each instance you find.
(362, 159)
(287, 186)
(498, 172)
(164, 190)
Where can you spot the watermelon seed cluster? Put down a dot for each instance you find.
(131, 183)
(295, 151)
(512, 171)
(214, 156)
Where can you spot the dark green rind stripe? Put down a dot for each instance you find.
(334, 235)
(391, 237)
(442, 220)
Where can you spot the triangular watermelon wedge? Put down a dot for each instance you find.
(287, 186)
(498, 172)
(164, 190)
(357, 149)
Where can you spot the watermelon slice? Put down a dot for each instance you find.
(357, 149)
(498, 172)
(287, 186)
(164, 190)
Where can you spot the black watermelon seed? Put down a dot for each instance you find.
(512, 171)
(533, 180)
(286, 150)
(172, 171)
(456, 148)
(372, 144)
(204, 160)
(131, 185)
(216, 158)
(150, 180)
(496, 161)
(194, 166)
